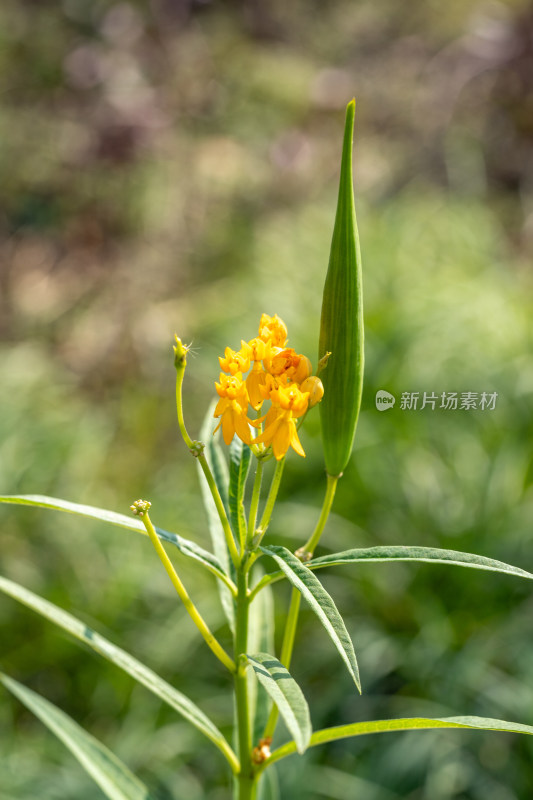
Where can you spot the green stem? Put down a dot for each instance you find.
(180, 372)
(309, 546)
(245, 780)
(272, 495)
(195, 615)
(196, 449)
(246, 787)
(254, 504)
(267, 512)
(228, 534)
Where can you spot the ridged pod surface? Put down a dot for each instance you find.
(341, 325)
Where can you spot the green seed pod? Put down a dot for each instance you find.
(341, 325)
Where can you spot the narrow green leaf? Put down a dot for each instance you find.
(112, 776)
(320, 601)
(341, 324)
(286, 694)
(141, 673)
(429, 555)
(409, 724)
(239, 464)
(219, 469)
(185, 546)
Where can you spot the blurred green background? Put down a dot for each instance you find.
(171, 166)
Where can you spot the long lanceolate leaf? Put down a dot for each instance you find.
(219, 470)
(112, 776)
(426, 555)
(125, 661)
(320, 601)
(185, 546)
(286, 694)
(429, 555)
(409, 724)
(239, 464)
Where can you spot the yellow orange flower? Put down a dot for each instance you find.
(290, 398)
(278, 374)
(232, 408)
(288, 403)
(273, 329)
(281, 434)
(289, 365)
(236, 360)
(255, 380)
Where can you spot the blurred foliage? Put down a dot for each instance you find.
(171, 166)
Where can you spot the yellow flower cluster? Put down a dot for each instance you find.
(276, 373)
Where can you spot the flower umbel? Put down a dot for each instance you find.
(277, 374)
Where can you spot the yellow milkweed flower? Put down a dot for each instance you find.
(260, 352)
(255, 380)
(232, 408)
(273, 329)
(278, 374)
(288, 365)
(288, 403)
(236, 360)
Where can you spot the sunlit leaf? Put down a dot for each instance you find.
(122, 659)
(384, 554)
(185, 546)
(320, 601)
(112, 776)
(406, 724)
(286, 694)
(430, 555)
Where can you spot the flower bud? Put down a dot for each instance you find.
(303, 371)
(314, 386)
(180, 353)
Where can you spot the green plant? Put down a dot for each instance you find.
(262, 684)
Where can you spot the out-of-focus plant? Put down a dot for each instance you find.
(265, 390)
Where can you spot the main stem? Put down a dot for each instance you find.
(309, 546)
(246, 782)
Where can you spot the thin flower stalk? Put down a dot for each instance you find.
(197, 448)
(254, 503)
(140, 508)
